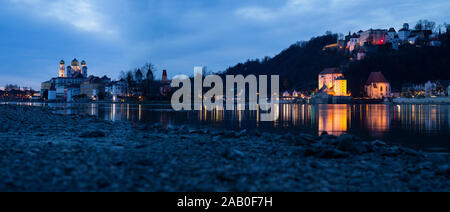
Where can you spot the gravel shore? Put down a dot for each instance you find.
(43, 151)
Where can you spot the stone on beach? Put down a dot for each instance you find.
(351, 144)
(92, 134)
(43, 151)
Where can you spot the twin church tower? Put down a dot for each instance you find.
(74, 70)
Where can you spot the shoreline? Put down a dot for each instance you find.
(43, 151)
(398, 102)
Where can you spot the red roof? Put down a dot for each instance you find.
(376, 77)
(331, 71)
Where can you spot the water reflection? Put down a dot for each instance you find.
(377, 118)
(425, 118)
(421, 124)
(334, 119)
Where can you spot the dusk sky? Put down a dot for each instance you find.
(115, 35)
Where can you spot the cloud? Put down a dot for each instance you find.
(257, 13)
(274, 13)
(83, 15)
(292, 8)
(177, 34)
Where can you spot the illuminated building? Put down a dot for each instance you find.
(67, 84)
(93, 87)
(377, 86)
(354, 42)
(340, 87)
(74, 70)
(117, 88)
(332, 82)
(374, 37)
(62, 69)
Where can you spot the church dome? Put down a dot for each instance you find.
(62, 62)
(75, 62)
(83, 63)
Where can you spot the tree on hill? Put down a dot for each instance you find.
(298, 65)
(425, 25)
(408, 65)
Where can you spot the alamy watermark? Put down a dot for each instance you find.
(235, 94)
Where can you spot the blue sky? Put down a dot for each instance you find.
(115, 35)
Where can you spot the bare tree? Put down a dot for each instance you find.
(425, 25)
(10, 87)
(122, 75)
(149, 67)
(447, 28)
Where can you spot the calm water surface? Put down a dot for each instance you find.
(424, 127)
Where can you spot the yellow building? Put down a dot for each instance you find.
(340, 87)
(332, 82)
(328, 76)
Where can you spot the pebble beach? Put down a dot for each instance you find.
(44, 151)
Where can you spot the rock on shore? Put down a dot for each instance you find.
(43, 151)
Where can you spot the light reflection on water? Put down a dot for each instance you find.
(421, 126)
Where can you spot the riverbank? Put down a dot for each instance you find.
(426, 101)
(43, 151)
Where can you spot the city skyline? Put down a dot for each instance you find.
(120, 35)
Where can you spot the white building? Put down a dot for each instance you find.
(430, 88)
(62, 83)
(404, 33)
(391, 34)
(396, 42)
(328, 76)
(354, 42)
(377, 87)
(117, 88)
(52, 93)
(72, 91)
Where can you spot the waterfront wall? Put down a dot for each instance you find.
(437, 100)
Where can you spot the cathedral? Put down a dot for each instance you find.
(74, 70)
(68, 81)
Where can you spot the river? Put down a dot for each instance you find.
(425, 127)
